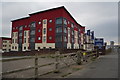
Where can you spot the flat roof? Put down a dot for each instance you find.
(20, 18)
(48, 10)
(7, 38)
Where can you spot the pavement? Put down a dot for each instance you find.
(105, 66)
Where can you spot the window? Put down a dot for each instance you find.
(12, 47)
(16, 34)
(20, 34)
(65, 38)
(59, 21)
(44, 31)
(50, 29)
(65, 30)
(39, 22)
(72, 32)
(16, 27)
(44, 38)
(44, 47)
(50, 21)
(24, 33)
(13, 28)
(50, 37)
(20, 40)
(12, 40)
(72, 40)
(15, 40)
(33, 24)
(15, 47)
(65, 21)
(39, 38)
(20, 28)
(68, 22)
(25, 26)
(58, 38)
(32, 40)
(72, 25)
(24, 40)
(45, 21)
(38, 47)
(38, 30)
(24, 48)
(32, 32)
(58, 29)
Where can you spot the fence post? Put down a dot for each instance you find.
(57, 53)
(36, 65)
(79, 57)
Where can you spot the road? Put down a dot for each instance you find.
(104, 67)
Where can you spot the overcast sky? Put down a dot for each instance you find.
(101, 17)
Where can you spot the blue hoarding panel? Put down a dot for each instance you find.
(99, 42)
(88, 32)
(92, 35)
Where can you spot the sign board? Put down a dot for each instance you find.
(99, 42)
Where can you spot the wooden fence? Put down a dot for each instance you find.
(75, 57)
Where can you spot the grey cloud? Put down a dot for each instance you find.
(100, 17)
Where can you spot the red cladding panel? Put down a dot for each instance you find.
(49, 15)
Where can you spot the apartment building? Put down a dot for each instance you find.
(89, 40)
(5, 44)
(49, 29)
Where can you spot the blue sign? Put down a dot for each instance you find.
(92, 35)
(88, 32)
(99, 42)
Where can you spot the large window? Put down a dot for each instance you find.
(20, 34)
(32, 40)
(20, 40)
(72, 25)
(65, 38)
(20, 28)
(68, 31)
(32, 32)
(58, 29)
(33, 24)
(65, 30)
(65, 21)
(59, 39)
(59, 21)
(24, 33)
(72, 32)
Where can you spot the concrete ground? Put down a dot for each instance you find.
(104, 67)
